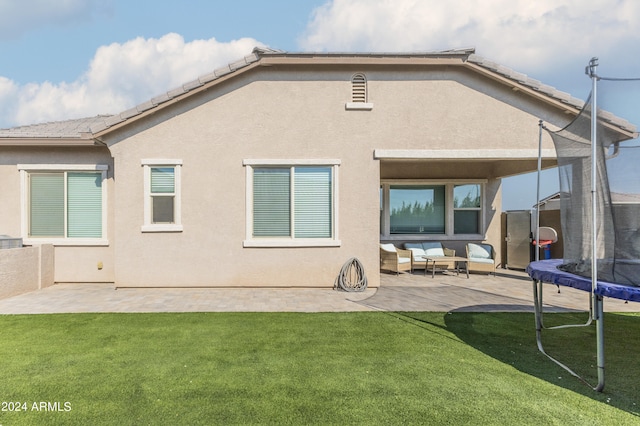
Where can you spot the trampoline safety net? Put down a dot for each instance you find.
(617, 189)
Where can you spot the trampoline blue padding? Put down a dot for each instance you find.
(547, 271)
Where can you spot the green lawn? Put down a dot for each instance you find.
(290, 368)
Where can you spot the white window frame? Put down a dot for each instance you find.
(473, 209)
(291, 241)
(26, 169)
(385, 233)
(148, 225)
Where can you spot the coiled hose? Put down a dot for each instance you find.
(352, 277)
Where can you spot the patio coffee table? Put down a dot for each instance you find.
(457, 259)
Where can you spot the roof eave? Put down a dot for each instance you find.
(56, 142)
(550, 96)
(360, 60)
(460, 53)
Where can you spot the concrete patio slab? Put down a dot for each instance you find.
(509, 291)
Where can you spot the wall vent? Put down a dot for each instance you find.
(359, 88)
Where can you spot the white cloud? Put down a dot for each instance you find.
(545, 39)
(8, 96)
(119, 77)
(527, 35)
(142, 68)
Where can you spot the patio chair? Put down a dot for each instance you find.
(432, 250)
(481, 258)
(394, 259)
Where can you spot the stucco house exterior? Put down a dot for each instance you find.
(277, 169)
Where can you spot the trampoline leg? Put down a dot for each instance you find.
(537, 309)
(599, 317)
(596, 313)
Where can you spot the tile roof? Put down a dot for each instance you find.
(526, 81)
(80, 128)
(179, 91)
(68, 129)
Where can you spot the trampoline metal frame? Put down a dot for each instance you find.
(596, 304)
(596, 309)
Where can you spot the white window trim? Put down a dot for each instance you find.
(358, 106)
(25, 169)
(250, 241)
(473, 209)
(147, 226)
(449, 210)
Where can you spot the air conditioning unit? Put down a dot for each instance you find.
(7, 242)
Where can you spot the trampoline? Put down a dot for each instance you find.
(546, 271)
(600, 217)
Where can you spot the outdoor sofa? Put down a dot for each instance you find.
(432, 250)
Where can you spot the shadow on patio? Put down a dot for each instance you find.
(508, 291)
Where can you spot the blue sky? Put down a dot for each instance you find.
(74, 58)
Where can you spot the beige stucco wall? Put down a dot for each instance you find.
(25, 269)
(212, 141)
(277, 114)
(72, 264)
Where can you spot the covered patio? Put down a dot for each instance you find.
(449, 196)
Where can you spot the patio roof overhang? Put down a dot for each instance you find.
(465, 163)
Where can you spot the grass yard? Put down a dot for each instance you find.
(327, 368)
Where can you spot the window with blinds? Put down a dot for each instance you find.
(162, 198)
(271, 202)
(294, 202)
(312, 202)
(163, 192)
(65, 205)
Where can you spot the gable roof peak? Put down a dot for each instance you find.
(267, 51)
(96, 126)
(263, 50)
